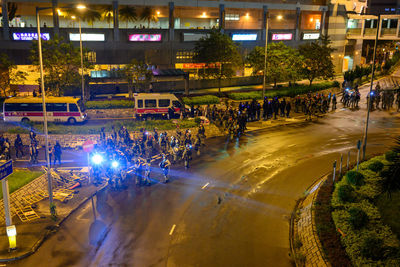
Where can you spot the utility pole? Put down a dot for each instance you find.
(370, 89)
(265, 56)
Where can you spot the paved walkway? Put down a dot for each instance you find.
(305, 230)
(31, 234)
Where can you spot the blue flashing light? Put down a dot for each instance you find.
(97, 159)
(115, 164)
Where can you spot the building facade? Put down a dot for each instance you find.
(167, 37)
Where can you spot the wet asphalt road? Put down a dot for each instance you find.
(231, 208)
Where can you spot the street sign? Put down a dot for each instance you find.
(6, 169)
(88, 146)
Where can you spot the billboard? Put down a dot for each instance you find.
(244, 37)
(29, 36)
(311, 36)
(145, 37)
(282, 36)
(91, 37)
(192, 37)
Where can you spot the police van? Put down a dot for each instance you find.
(154, 105)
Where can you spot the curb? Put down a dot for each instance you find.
(291, 222)
(48, 233)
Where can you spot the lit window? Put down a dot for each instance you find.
(232, 17)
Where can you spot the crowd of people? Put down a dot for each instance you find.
(141, 149)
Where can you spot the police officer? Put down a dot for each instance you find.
(164, 165)
(57, 153)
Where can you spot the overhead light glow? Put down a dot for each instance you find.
(279, 17)
(73, 17)
(81, 6)
(204, 15)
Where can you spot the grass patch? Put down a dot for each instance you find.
(201, 100)
(390, 211)
(284, 91)
(20, 178)
(110, 104)
(131, 125)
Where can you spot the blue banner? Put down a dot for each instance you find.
(6, 169)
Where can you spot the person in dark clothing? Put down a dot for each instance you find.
(57, 153)
(276, 108)
(258, 111)
(282, 107)
(192, 110)
(18, 147)
(288, 108)
(171, 113)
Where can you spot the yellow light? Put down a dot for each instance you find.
(204, 15)
(311, 20)
(59, 12)
(81, 6)
(12, 236)
(247, 15)
(279, 17)
(73, 17)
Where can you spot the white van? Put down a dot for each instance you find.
(155, 105)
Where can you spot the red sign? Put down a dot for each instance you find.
(282, 36)
(199, 65)
(88, 146)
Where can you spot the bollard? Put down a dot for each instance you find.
(358, 153)
(348, 160)
(340, 166)
(334, 171)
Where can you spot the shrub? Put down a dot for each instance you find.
(201, 100)
(355, 178)
(346, 193)
(372, 248)
(110, 104)
(376, 166)
(390, 156)
(358, 218)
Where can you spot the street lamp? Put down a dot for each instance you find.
(265, 55)
(81, 51)
(370, 88)
(49, 179)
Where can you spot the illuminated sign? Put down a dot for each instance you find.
(29, 36)
(192, 37)
(282, 36)
(145, 37)
(91, 37)
(244, 37)
(310, 36)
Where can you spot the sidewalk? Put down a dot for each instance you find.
(31, 234)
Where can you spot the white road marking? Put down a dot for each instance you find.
(172, 229)
(204, 186)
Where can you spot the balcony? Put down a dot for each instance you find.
(388, 32)
(356, 31)
(370, 32)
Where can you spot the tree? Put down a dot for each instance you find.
(128, 14)
(90, 15)
(137, 73)
(219, 54)
(391, 177)
(107, 14)
(282, 62)
(61, 63)
(317, 60)
(148, 14)
(9, 75)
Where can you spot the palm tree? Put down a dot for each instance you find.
(90, 15)
(148, 15)
(128, 14)
(107, 14)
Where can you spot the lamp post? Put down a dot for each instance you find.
(370, 88)
(81, 52)
(49, 179)
(265, 56)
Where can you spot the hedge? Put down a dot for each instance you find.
(131, 125)
(110, 104)
(359, 236)
(201, 100)
(285, 91)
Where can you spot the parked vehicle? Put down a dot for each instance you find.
(58, 109)
(156, 105)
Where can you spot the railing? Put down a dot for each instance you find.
(388, 31)
(356, 31)
(370, 31)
